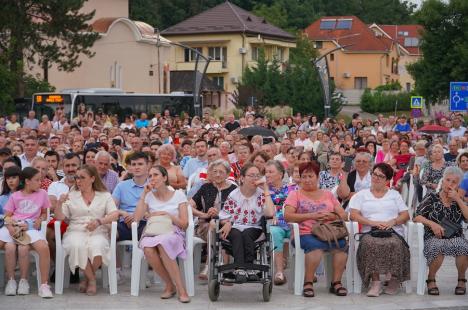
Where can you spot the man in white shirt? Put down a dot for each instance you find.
(31, 150)
(457, 130)
(285, 145)
(303, 141)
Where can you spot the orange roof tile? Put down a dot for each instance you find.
(359, 37)
(400, 32)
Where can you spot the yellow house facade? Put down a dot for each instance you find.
(232, 38)
(364, 56)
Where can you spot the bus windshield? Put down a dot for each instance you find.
(49, 103)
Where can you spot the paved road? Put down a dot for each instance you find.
(246, 296)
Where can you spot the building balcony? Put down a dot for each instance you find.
(215, 66)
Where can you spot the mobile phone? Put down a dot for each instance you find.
(116, 142)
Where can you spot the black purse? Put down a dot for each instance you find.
(450, 228)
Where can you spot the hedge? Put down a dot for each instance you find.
(380, 101)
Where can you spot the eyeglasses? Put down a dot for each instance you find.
(79, 177)
(379, 176)
(254, 176)
(362, 161)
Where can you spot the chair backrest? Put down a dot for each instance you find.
(190, 182)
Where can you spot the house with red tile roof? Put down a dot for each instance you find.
(409, 39)
(360, 56)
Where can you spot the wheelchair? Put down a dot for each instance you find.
(222, 272)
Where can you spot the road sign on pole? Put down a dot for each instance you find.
(458, 96)
(416, 102)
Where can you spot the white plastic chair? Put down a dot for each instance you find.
(33, 254)
(190, 182)
(422, 263)
(62, 274)
(298, 262)
(409, 231)
(140, 266)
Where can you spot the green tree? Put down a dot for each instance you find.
(43, 32)
(445, 48)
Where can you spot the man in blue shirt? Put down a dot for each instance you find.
(142, 121)
(127, 193)
(192, 166)
(402, 125)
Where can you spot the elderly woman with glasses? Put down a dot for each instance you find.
(242, 213)
(435, 210)
(381, 208)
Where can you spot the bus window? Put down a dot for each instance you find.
(47, 104)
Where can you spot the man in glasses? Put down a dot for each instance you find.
(360, 178)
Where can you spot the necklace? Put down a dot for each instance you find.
(88, 199)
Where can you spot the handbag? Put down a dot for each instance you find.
(332, 231)
(158, 225)
(450, 228)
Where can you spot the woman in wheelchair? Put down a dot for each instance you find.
(161, 248)
(307, 206)
(241, 215)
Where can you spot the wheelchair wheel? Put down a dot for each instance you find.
(213, 290)
(267, 288)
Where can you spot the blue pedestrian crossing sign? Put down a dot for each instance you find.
(416, 102)
(458, 96)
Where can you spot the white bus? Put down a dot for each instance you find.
(114, 101)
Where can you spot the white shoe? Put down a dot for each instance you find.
(204, 273)
(45, 292)
(10, 289)
(23, 287)
(375, 289)
(120, 277)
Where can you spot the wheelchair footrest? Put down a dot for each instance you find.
(231, 267)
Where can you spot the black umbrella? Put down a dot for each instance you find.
(257, 130)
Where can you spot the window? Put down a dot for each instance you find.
(279, 54)
(327, 24)
(408, 87)
(219, 80)
(344, 24)
(255, 53)
(218, 53)
(411, 42)
(332, 57)
(318, 44)
(190, 55)
(403, 33)
(360, 82)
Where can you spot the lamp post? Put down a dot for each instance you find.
(201, 62)
(321, 65)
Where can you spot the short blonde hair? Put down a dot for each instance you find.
(167, 148)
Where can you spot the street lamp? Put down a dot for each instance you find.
(321, 65)
(201, 62)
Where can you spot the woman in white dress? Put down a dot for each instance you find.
(89, 208)
(162, 250)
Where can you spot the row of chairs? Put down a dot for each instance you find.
(140, 266)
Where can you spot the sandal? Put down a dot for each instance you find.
(83, 286)
(433, 290)
(168, 295)
(92, 289)
(308, 291)
(340, 291)
(460, 290)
